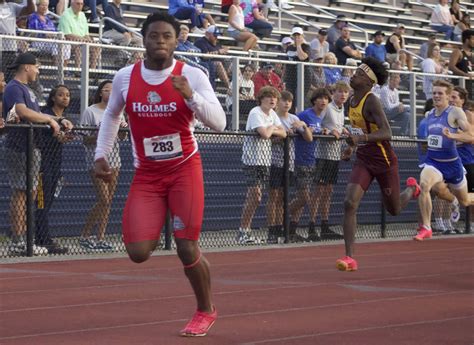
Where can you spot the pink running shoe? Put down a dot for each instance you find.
(411, 182)
(347, 264)
(199, 324)
(423, 233)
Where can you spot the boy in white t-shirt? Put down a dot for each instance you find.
(256, 155)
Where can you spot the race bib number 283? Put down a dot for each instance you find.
(163, 147)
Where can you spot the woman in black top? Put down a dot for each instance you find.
(50, 172)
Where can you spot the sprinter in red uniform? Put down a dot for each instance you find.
(163, 98)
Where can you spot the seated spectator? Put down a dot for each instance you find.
(460, 61)
(182, 9)
(10, 12)
(184, 45)
(432, 65)
(347, 73)
(57, 6)
(208, 20)
(209, 45)
(255, 20)
(461, 26)
(73, 24)
(285, 43)
(335, 31)
(331, 74)
(225, 5)
(441, 20)
(236, 28)
(395, 46)
(377, 49)
(345, 48)
(394, 109)
(455, 11)
(424, 46)
(92, 4)
(318, 78)
(319, 46)
(267, 77)
(40, 21)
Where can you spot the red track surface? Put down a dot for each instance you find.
(403, 293)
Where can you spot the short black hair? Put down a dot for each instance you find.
(378, 68)
(160, 16)
(52, 94)
(466, 35)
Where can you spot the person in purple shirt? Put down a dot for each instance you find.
(377, 49)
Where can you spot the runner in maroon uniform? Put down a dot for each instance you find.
(162, 98)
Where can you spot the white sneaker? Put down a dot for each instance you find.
(245, 237)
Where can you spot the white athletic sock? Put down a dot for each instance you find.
(440, 224)
(447, 224)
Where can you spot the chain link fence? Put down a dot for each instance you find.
(51, 200)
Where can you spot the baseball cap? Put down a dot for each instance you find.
(323, 32)
(297, 30)
(341, 18)
(286, 40)
(213, 30)
(400, 25)
(379, 33)
(267, 65)
(23, 59)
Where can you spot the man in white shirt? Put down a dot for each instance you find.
(319, 45)
(394, 109)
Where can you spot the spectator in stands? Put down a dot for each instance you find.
(377, 49)
(335, 31)
(208, 20)
(209, 45)
(456, 12)
(183, 9)
(305, 159)
(21, 102)
(184, 45)
(92, 4)
(394, 109)
(461, 26)
(267, 77)
(40, 21)
(441, 20)
(345, 48)
(331, 74)
(255, 20)
(425, 45)
(328, 155)
(318, 79)
(285, 43)
(2, 89)
(256, 155)
(461, 61)
(432, 65)
(73, 24)
(225, 5)
(347, 73)
(99, 213)
(319, 45)
(395, 46)
(9, 14)
(236, 27)
(57, 6)
(51, 148)
(117, 34)
(292, 125)
(299, 51)
(246, 91)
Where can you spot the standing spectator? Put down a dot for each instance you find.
(246, 91)
(40, 21)
(184, 45)
(99, 213)
(345, 48)
(20, 99)
(73, 24)
(393, 108)
(92, 4)
(117, 34)
(463, 25)
(209, 45)
(432, 65)
(51, 148)
(236, 27)
(425, 45)
(292, 125)
(331, 74)
(377, 49)
(395, 46)
(255, 20)
(335, 31)
(305, 158)
(319, 45)
(267, 77)
(256, 155)
(9, 14)
(441, 20)
(461, 61)
(299, 51)
(328, 155)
